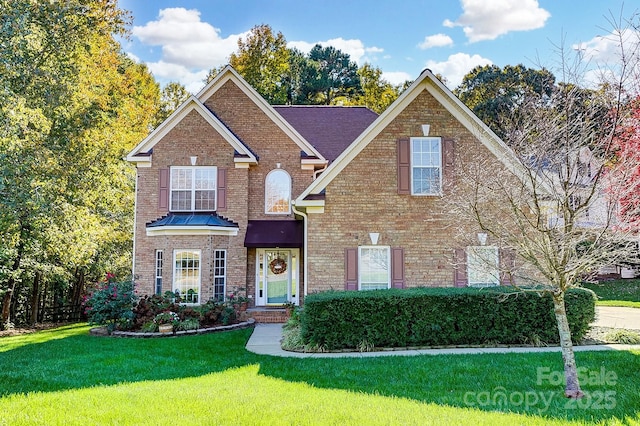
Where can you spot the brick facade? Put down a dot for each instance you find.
(362, 198)
(193, 136)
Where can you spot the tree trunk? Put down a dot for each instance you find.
(7, 299)
(35, 298)
(572, 387)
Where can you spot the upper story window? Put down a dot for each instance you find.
(193, 188)
(277, 192)
(426, 166)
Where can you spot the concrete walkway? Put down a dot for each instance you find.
(617, 317)
(266, 338)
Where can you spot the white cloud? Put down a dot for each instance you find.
(436, 40)
(354, 48)
(189, 45)
(606, 49)
(487, 20)
(193, 81)
(396, 77)
(456, 67)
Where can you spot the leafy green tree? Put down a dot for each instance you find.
(330, 74)
(493, 93)
(377, 93)
(72, 105)
(263, 60)
(173, 95)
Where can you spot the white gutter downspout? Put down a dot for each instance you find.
(135, 217)
(304, 249)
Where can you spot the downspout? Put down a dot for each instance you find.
(135, 216)
(304, 247)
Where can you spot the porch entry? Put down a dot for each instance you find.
(276, 276)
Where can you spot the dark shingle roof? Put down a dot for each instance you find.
(330, 129)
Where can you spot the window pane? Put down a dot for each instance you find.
(277, 192)
(180, 200)
(205, 179)
(205, 200)
(186, 277)
(181, 179)
(374, 268)
(426, 180)
(482, 265)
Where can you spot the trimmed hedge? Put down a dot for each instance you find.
(438, 317)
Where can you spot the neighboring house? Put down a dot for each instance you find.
(234, 194)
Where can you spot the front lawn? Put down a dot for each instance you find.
(65, 376)
(616, 292)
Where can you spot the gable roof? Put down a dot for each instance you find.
(142, 153)
(429, 82)
(230, 74)
(330, 129)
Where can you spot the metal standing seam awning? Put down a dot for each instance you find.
(190, 223)
(274, 233)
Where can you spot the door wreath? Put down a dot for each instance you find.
(278, 266)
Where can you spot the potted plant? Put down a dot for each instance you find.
(240, 303)
(166, 321)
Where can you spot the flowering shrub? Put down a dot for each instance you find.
(168, 317)
(111, 304)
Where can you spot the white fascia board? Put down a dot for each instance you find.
(192, 104)
(363, 140)
(192, 230)
(450, 102)
(228, 73)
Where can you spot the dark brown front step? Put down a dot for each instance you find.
(268, 315)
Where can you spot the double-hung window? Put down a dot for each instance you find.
(193, 188)
(219, 274)
(426, 166)
(374, 267)
(159, 265)
(186, 274)
(483, 266)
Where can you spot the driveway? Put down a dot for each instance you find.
(617, 317)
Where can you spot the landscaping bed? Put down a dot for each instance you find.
(102, 331)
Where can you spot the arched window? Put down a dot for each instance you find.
(277, 192)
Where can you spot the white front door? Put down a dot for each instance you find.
(276, 276)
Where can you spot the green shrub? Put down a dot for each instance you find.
(149, 327)
(627, 337)
(188, 324)
(438, 317)
(111, 304)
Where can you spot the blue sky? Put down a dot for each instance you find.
(182, 40)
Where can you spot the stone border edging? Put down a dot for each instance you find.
(100, 331)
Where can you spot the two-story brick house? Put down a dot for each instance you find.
(279, 201)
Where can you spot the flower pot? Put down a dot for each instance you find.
(165, 328)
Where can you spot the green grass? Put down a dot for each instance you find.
(65, 376)
(616, 292)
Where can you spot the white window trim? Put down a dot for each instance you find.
(432, 194)
(159, 271)
(199, 284)
(224, 272)
(388, 249)
(471, 250)
(193, 187)
(266, 195)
